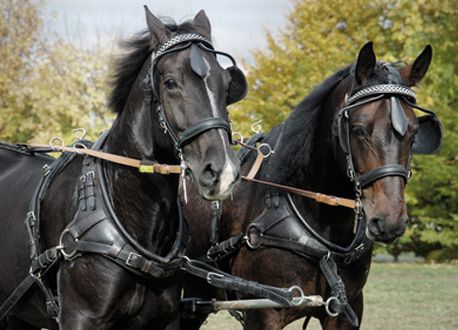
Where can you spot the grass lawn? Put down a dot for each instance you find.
(404, 296)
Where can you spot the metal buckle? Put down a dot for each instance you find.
(130, 259)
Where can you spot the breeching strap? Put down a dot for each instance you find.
(144, 166)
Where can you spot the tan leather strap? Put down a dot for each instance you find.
(320, 198)
(143, 166)
(257, 163)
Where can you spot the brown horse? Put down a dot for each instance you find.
(353, 135)
(106, 242)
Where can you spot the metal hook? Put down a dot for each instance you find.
(266, 146)
(238, 134)
(53, 147)
(256, 128)
(80, 133)
(183, 176)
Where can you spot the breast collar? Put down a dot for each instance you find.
(282, 226)
(96, 229)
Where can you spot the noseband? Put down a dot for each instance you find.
(399, 122)
(153, 92)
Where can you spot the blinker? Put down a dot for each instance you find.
(198, 64)
(398, 117)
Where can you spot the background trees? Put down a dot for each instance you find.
(48, 86)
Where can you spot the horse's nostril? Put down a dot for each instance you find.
(209, 175)
(376, 226)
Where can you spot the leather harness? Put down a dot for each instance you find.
(97, 229)
(282, 226)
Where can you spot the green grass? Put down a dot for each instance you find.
(404, 296)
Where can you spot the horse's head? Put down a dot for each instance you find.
(189, 93)
(378, 132)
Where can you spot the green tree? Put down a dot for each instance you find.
(48, 87)
(321, 36)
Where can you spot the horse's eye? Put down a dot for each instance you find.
(359, 132)
(170, 83)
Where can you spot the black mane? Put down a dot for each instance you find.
(294, 138)
(127, 69)
(128, 66)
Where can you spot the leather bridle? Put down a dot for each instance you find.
(153, 92)
(342, 130)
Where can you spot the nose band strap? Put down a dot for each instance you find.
(202, 126)
(382, 172)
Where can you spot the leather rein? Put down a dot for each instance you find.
(144, 166)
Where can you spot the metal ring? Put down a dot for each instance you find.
(247, 238)
(301, 292)
(328, 303)
(268, 147)
(76, 149)
(61, 247)
(80, 133)
(53, 147)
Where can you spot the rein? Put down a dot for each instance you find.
(144, 166)
(319, 197)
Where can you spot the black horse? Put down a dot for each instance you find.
(120, 231)
(356, 132)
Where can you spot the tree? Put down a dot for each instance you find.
(321, 36)
(19, 23)
(47, 87)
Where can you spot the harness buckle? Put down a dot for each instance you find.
(131, 260)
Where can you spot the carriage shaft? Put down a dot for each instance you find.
(308, 301)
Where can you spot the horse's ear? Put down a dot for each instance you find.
(201, 21)
(414, 73)
(365, 64)
(155, 27)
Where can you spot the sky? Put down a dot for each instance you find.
(238, 26)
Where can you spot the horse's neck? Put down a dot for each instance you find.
(319, 174)
(146, 204)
